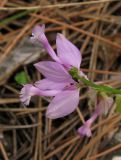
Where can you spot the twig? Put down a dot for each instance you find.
(3, 151)
(62, 147)
(56, 5)
(80, 115)
(105, 152)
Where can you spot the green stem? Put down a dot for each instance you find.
(101, 88)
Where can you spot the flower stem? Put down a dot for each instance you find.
(75, 75)
(97, 87)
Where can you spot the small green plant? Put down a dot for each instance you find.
(21, 78)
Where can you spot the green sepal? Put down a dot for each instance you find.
(74, 73)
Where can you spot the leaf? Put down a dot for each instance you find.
(14, 17)
(21, 78)
(118, 103)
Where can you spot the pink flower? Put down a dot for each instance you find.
(104, 105)
(59, 84)
(67, 53)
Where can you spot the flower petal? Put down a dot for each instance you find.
(50, 85)
(53, 71)
(85, 130)
(37, 31)
(67, 52)
(29, 90)
(38, 34)
(63, 104)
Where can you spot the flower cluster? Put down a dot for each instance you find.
(59, 82)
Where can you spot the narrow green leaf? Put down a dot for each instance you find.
(14, 17)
